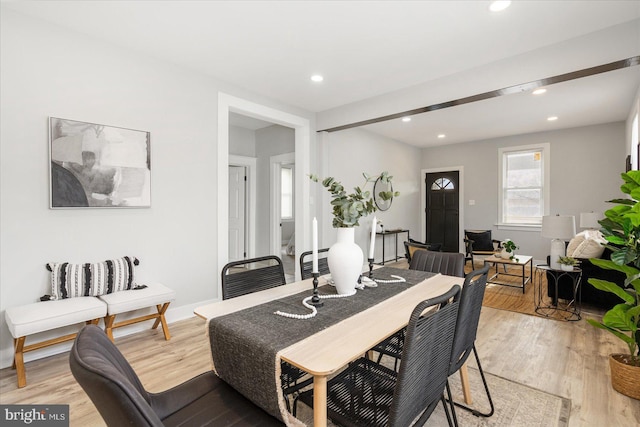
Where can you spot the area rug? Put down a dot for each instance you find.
(516, 405)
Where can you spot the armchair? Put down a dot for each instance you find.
(479, 243)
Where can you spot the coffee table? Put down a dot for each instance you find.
(519, 261)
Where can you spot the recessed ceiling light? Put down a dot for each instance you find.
(406, 119)
(539, 91)
(317, 78)
(552, 118)
(497, 6)
(442, 135)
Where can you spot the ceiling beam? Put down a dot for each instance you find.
(523, 87)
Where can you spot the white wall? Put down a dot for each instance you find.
(586, 164)
(355, 151)
(242, 142)
(49, 71)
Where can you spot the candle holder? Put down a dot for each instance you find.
(315, 301)
(370, 268)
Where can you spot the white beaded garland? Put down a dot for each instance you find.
(314, 310)
(397, 279)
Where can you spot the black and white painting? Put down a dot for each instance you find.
(96, 165)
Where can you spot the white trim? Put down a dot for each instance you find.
(250, 163)
(423, 201)
(545, 147)
(228, 103)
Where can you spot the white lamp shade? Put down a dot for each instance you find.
(589, 220)
(559, 227)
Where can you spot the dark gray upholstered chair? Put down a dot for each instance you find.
(116, 391)
(306, 263)
(449, 263)
(369, 394)
(241, 277)
(464, 339)
(411, 246)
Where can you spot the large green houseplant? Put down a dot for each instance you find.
(621, 228)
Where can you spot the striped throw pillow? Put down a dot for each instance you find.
(91, 279)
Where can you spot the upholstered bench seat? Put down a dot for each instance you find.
(30, 319)
(136, 299)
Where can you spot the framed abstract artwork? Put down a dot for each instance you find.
(98, 166)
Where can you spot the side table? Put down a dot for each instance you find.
(548, 309)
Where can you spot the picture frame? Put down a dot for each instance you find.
(98, 166)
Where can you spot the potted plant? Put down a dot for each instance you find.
(509, 249)
(567, 263)
(345, 256)
(621, 228)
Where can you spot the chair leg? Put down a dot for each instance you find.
(453, 406)
(486, 388)
(446, 410)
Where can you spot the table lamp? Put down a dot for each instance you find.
(558, 228)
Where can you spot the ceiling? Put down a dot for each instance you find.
(371, 49)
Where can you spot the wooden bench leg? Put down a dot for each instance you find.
(108, 325)
(162, 320)
(18, 361)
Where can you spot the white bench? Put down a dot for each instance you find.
(136, 299)
(44, 316)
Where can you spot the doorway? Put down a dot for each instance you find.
(442, 210)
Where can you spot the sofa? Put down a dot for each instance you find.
(590, 294)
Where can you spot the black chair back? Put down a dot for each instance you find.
(411, 246)
(425, 360)
(267, 272)
(473, 289)
(306, 263)
(449, 263)
(108, 379)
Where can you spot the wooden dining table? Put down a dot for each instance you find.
(329, 350)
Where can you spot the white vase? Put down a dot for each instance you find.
(566, 267)
(345, 261)
(505, 254)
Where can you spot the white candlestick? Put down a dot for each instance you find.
(373, 238)
(315, 245)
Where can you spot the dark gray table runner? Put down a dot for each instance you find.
(244, 344)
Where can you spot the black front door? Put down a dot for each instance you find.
(442, 209)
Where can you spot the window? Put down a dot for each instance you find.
(442, 184)
(523, 185)
(286, 189)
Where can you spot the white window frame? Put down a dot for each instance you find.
(293, 193)
(545, 148)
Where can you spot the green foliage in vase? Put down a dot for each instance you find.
(621, 228)
(567, 260)
(348, 208)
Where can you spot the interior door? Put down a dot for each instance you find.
(237, 213)
(442, 209)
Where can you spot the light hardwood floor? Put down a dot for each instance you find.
(568, 359)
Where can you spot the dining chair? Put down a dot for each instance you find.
(116, 391)
(464, 339)
(257, 274)
(251, 275)
(411, 246)
(366, 393)
(449, 263)
(306, 263)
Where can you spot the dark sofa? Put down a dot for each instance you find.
(590, 294)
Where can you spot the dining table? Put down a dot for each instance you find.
(250, 342)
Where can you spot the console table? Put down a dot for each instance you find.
(390, 233)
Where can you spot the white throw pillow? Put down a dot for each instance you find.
(589, 248)
(574, 243)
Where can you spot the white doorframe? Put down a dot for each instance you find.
(302, 127)
(275, 231)
(423, 202)
(249, 237)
